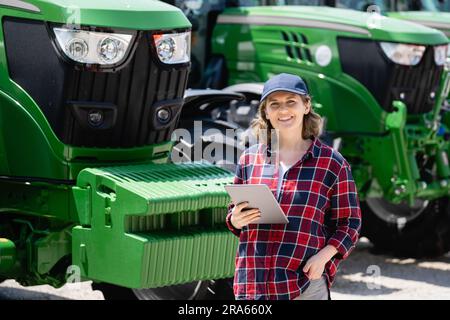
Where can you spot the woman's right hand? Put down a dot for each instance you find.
(240, 217)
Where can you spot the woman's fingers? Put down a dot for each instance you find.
(241, 205)
(307, 267)
(243, 217)
(250, 218)
(312, 272)
(249, 211)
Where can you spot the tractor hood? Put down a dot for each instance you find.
(437, 20)
(128, 14)
(359, 23)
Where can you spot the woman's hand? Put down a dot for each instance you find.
(240, 217)
(316, 264)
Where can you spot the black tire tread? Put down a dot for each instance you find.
(426, 236)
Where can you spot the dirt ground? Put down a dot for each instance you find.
(362, 276)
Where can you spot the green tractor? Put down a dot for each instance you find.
(379, 83)
(431, 13)
(91, 95)
(89, 98)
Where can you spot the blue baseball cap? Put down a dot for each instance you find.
(284, 82)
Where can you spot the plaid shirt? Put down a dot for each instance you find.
(319, 197)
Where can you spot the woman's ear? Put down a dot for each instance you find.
(308, 108)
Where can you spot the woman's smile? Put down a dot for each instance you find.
(286, 119)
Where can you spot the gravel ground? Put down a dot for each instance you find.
(362, 276)
(365, 276)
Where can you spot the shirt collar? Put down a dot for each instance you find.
(313, 150)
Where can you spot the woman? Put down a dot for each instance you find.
(315, 188)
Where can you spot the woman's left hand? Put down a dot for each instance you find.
(316, 264)
(314, 267)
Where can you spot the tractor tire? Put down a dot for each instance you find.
(190, 291)
(221, 289)
(184, 151)
(426, 235)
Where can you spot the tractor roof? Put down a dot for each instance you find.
(128, 14)
(365, 24)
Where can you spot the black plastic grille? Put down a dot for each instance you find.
(128, 98)
(134, 89)
(298, 44)
(416, 86)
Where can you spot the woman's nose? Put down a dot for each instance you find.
(283, 107)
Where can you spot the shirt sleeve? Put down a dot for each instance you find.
(345, 213)
(238, 179)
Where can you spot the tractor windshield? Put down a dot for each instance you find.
(423, 5)
(258, 3)
(399, 5)
(361, 5)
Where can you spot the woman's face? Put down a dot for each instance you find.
(285, 111)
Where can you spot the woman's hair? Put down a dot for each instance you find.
(262, 128)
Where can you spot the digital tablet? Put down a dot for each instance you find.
(258, 196)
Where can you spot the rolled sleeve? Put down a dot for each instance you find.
(238, 179)
(345, 213)
(236, 232)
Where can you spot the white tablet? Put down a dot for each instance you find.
(258, 196)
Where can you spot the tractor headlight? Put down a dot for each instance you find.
(173, 48)
(440, 54)
(404, 54)
(93, 47)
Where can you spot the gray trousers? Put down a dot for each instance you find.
(317, 290)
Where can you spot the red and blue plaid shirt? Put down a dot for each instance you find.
(319, 197)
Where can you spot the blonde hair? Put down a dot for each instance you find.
(262, 128)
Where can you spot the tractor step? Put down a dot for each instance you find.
(153, 225)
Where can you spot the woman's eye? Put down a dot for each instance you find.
(291, 101)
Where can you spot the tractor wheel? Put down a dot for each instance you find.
(221, 289)
(196, 290)
(214, 146)
(422, 230)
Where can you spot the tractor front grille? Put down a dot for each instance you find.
(126, 99)
(296, 46)
(417, 86)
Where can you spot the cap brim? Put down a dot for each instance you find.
(299, 92)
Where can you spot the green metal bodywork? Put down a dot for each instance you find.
(142, 223)
(135, 14)
(51, 158)
(255, 51)
(437, 20)
(7, 255)
(153, 225)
